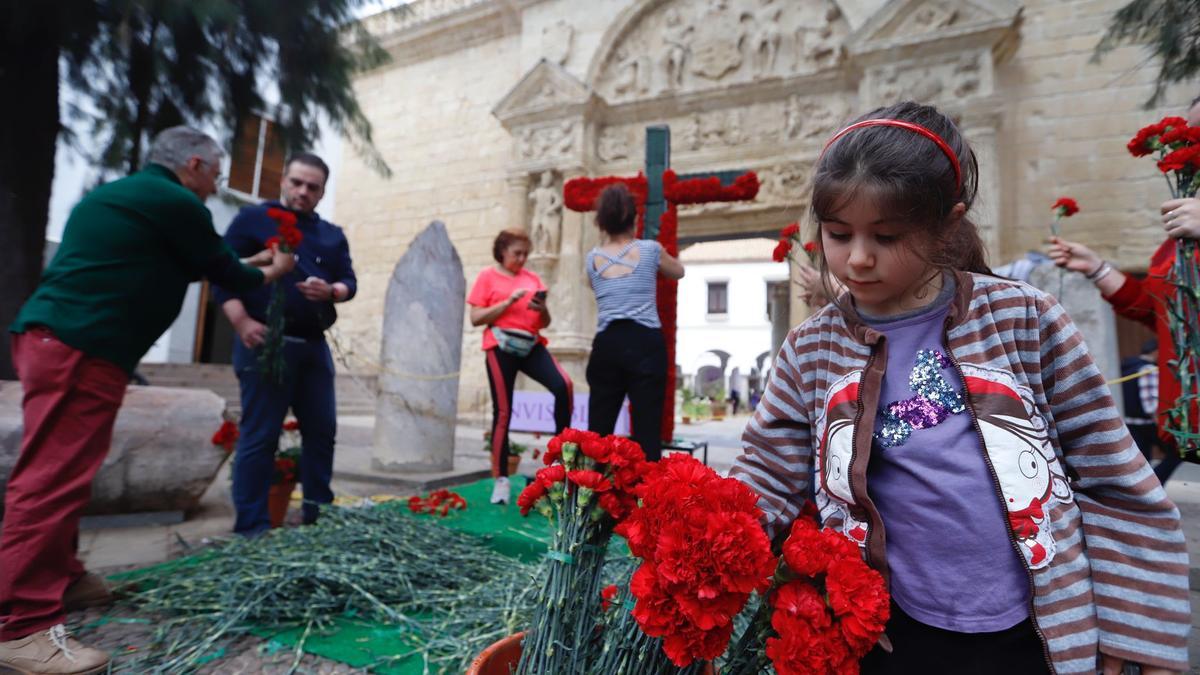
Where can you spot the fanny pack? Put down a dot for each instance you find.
(513, 341)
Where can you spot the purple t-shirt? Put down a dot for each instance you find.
(952, 563)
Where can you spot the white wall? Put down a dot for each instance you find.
(744, 332)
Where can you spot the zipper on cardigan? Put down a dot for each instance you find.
(1012, 538)
(874, 521)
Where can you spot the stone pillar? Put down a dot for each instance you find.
(516, 200)
(782, 300)
(572, 304)
(419, 363)
(1092, 316)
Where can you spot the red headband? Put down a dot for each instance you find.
(915, 128)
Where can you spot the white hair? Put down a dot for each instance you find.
(173, 147)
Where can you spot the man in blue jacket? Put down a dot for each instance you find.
(323, 276)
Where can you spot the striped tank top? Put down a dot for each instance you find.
(631, 296)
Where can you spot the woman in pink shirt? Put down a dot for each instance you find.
(511, 301)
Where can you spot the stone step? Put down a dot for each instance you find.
(355, 393)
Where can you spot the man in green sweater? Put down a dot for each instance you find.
(129, 251)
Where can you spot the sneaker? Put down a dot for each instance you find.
(501, 492)
(89, 590)
(51, 651)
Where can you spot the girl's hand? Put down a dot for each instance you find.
(1072, 256)
(517, 295)
(1181, 218)
(1111, 665)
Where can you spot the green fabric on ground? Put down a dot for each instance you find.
(389, 648)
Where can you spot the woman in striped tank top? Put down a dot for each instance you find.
(629, 356)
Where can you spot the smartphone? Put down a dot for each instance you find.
(540, 296)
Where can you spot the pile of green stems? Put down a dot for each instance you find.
(452, 595)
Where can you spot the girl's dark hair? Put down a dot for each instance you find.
(912, 178)
(615, 210)
(505, 239)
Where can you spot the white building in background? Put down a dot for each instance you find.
(252, 171)
(724, 337)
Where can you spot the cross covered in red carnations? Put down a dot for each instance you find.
(658, 192)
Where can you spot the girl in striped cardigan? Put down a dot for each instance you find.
(952, 423)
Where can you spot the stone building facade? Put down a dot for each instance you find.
(489, 105)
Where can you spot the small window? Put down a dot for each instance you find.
(718, 297)
(256, 161)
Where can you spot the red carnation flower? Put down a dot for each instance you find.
(226, 436)
(859, 599)
(553, 451)
(782, 249)
(272, 242)
(291, 236)
(1184, 159)
(810, 247)
(791, 230)
(1065, 206)
(281, 216)
(551, 475)
(805, 551)
(530, 496)
(589, 480)
(606, 595)
(291, 425)
(598, 449)
(416, 504)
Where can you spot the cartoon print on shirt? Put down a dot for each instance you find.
(1032, 480)
(834, 433)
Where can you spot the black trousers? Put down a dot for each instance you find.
(918, 648)
(629, 359)
(502, 369)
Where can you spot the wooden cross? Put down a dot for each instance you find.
(658, 192)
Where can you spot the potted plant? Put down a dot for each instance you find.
(283, 479)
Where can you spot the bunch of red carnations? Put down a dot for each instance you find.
(703, 552)
(588, 486)
(439, 502)
(826, 608)
(787, 238)
(1177, 147)
(270, 358)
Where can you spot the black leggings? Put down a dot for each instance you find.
(502, 369)
(629, 359)
(918, 648)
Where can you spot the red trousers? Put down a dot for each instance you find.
(70, 405)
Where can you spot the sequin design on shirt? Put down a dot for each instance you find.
(933, 402)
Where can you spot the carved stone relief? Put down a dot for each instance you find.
(805, 119)
(957, 78)
(557, 42)
(553, 141)
(546, 221)
(813, 117)
(691, 45)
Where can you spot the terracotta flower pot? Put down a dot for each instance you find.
(278, 499)
(502, 657)
(513, 462)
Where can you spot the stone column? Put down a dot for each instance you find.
(572, 304)
(419, 363)
(516, 200)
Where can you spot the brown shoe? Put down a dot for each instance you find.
(51, 651)
(89, 590)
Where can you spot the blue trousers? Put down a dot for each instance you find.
(308, 389)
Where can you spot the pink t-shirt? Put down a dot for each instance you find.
(493, 286)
